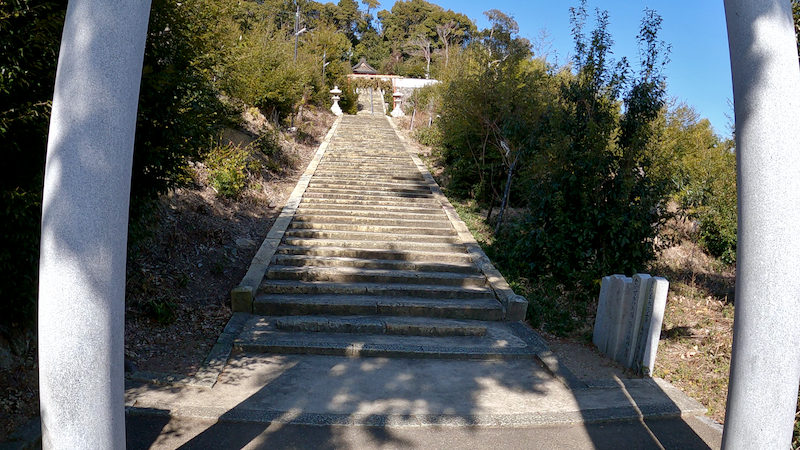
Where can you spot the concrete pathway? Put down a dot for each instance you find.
(371, 318)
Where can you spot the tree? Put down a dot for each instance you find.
(486, 144)
(421, 46)
(445, 33)
(599, 194)
(414, 19)
(369, 4)
(327, 41)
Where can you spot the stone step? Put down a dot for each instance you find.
(387, 264)
(365, 253)
(390, 153)
(343, 304)
(301, 219)
(379, 245)
(440, 293)
(366, 235)
(389, 175)
(322, 226)
(359, 162)
(404, 326)
(429, 206)
(330, 183)
(404, 168)
(340, 176)
(414, 212)
(383, 276)
(359, 165)
(368, 190)
(339, 210)
(333, 169)
(373, 195)
(499, 341)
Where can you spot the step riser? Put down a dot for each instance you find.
(316, 202)
(405, 164)
(362, 235)
(370, 228)
(301, 220)
(378, 254)
(373, 325)
(273, 309)
(373, 210)
(415, 198)
(370, 214)
(397, 174)
(302, 261)
(361, 352)
(384, 291)
(376, 245)
(366, 190)
(277, 274)
(323, 180)
(356, 176)
(375, 187)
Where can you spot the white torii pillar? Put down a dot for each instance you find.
(765, 368)
(85, 222)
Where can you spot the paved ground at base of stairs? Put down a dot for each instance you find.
(154, 432)
(309, 401)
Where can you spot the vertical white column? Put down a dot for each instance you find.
(765, 368)
(84, 224)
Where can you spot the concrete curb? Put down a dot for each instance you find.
(242, 295)
(515, 306)
(545, 418)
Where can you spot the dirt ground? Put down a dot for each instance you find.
(180, 275)
(199, 252)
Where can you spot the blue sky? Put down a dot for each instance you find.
(699, 69)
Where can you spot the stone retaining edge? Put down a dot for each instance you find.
(243, 294)
(514, 306)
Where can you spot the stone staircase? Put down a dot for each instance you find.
(370, 102)
(370, 263)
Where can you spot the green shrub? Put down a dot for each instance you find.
(162, 311)
(268, 142)
(705, 179)
(179, 108)
(229, 169)
(349, 98)
(430, 136)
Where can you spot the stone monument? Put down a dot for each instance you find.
(630, 312)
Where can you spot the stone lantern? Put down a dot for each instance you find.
(397, 111)
(335, 108)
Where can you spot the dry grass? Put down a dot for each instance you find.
(695, 348)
